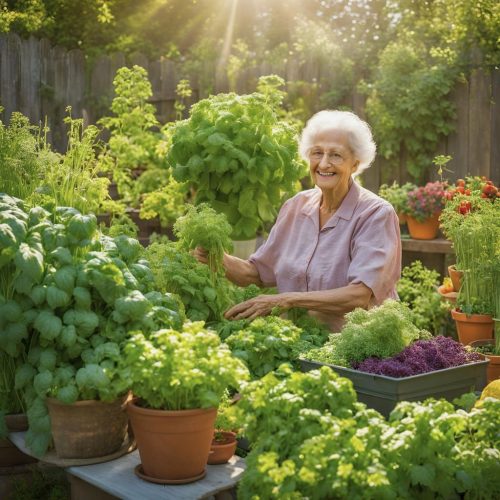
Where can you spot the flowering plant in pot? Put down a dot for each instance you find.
(179, 377)
(472, 222)
(397, 196)
(425, 204)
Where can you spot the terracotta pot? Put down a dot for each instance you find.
(17, 422)
(451, 296)
(456, 277)
(426, 230)
(402, 218)
(472, 327)
(88, 429)
(11, 456)
(173, 445)
(223, 448)
(493, 370)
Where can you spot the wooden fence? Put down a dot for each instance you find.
(40, 81)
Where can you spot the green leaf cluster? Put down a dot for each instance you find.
(418, 289)
(180, 369)
(396, 195)
(238, 157)
(69, 298)
(381, 332)
(311, 439)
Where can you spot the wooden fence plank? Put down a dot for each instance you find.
(479, 123)
(47, 90)
(494, 173)
(75, 90)
(457, 144)
(29, 79)
(10, 74)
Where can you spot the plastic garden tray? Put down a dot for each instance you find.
(382, 393)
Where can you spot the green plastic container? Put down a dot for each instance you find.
(383, 393)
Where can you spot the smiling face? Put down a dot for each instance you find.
(331, 160)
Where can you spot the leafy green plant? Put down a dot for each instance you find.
(475, 235)
(418, 289)
(203, 227)
(396, 195)
(238, 156)
(180, 369)
(69, 298)
(379, 332)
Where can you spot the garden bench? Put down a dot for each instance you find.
(116, 479)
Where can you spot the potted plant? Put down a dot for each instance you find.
(239, 156)
(72, 295)
(472, 222)
(397, 196)
(425, 204)
(178, 377)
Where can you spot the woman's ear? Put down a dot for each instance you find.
(355, 167)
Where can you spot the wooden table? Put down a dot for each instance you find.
(116, 479)
(436, 254)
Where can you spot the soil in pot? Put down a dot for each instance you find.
(493, 370)
(472, 327)
(425, 230)
(223, 447)
(88, 429)
(173, 445)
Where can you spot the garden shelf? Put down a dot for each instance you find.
(382, 393)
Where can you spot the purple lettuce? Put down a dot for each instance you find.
(421, 357)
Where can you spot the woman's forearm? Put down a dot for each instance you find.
(338, 301)
(241, 272)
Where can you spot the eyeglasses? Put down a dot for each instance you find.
(333, 157)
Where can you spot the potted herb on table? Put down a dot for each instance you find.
(239, 156)
(397, 196)
(472, 222)
(179, 378)
(425, 204)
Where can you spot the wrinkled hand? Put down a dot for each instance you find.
(258, 306)
(201, 255)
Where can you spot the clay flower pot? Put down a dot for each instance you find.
(493, 370)
(223, 447)
(451, 296)
(425, 230)
(402, 218)
(173, 445)
(88, 429)
(455, 276)
(472, 327)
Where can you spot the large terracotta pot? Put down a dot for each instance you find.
(472, 327)
(493, 370)
(456, 277)
(222, 448)
(425, 230)
(173, 445)
(88, 429)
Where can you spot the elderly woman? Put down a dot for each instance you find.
(333, 248)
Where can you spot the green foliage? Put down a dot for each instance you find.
(180, 369)
(238, 156)
(203, 227)
(475, 236)
(396, 195)
(310, 439)
(380, 332)
(65, 322)
(418, 289)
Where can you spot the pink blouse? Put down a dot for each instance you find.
(360, 243)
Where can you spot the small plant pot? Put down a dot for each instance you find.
(450, 296)
(88, 429)
(493, 371)
(223, 448)
(456, 277)
(425, 230)
(472, 327)
(173, 445)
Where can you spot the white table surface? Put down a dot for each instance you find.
(118, 478)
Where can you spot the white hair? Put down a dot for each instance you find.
(358, 132)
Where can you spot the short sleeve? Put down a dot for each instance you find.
(376, 253)
(266, 256)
